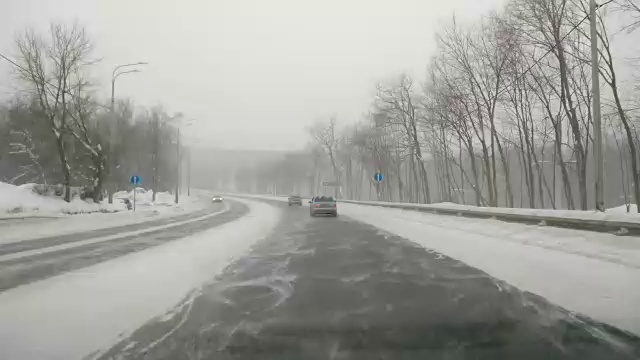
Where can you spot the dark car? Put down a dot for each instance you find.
(295, 200)
(326, 205)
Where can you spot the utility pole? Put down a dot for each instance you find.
(188, 171)
(178, 172)
(154, 156)
(597, 125)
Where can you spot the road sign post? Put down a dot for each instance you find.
(135, 180)
(378, 177)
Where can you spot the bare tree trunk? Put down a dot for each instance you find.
(507, 175)
(526, 170)
(611, 80)
(155, 159)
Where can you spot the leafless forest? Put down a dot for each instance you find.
(503, 118)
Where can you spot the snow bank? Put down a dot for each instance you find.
(75, 314)
(590, 273)
(615, 214)
(622, 209)
(144, 198)
(34, 228)
(21, 201)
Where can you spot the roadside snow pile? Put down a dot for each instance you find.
(622, 209)
(16, 201)
(145, 197)
(39, 227)
(614, 214)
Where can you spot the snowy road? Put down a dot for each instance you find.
(327, 288)
(78, 301)
(27, 261)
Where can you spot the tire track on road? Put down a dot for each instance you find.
(326, 288)
(32, 244)
(25, 270)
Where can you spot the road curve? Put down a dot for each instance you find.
(23, 270)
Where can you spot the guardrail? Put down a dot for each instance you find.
(617, 227)
(577, 220)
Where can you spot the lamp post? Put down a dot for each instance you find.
(179, 163)
(179, 158)
(114, 76)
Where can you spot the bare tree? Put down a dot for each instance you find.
(608, 73)
(47, 66)
(324, 135)
(632, 7)
(400, 107)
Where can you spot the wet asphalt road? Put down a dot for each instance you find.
(333, 288)
(20, 271)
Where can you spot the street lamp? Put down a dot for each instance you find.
(115, 74)
(179, 157)
(178, 121)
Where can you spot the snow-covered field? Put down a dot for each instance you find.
(33, 228)
(592, 273)
(85, 311)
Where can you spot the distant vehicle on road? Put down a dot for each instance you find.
(217, 199)
(295, 200)
(323, 205)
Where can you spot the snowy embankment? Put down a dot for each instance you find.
(33, 227)
(596, 274)
(83, 312)
(617, 215)
(21, 201)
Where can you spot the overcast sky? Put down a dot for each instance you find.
(251, 73)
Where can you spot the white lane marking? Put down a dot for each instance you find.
(27, 253)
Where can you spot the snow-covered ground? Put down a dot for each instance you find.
(144, 198)
(618, 213)
(590, 273)
(85, 311)
(33, 228)
(21, 201)
(119, 235)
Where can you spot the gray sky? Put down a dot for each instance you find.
(252, 73)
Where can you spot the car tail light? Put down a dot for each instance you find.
(334, 205)
(315, 206)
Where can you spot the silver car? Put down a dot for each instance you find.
(323, 205)
(295, 200)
